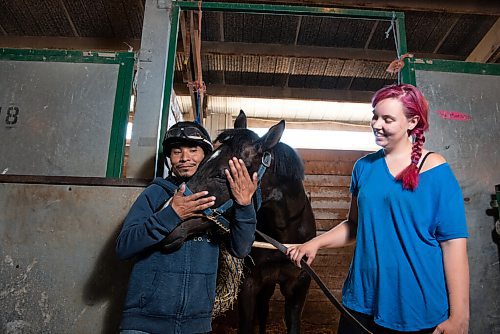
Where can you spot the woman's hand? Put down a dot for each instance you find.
(297, 252)
(242, 186)
(453, 326)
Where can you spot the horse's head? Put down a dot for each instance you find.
(238, 142)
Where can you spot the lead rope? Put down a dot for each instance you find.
(320, 283)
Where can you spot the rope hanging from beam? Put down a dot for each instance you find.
(198, 85)
(396, 65)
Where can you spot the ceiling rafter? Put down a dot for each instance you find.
(274, 92)
(291, 65)
(445, 36)
(3, 30)
(68, 17)
(372, 32)
(488, 46)
(187, 75)
(220, 17)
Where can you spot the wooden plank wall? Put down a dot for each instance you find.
(328, 175)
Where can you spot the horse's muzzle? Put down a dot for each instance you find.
(185, 230)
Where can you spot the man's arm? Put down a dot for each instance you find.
(143, 227)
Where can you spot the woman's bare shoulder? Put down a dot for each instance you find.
(433, 160)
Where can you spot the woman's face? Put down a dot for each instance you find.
(389, 123)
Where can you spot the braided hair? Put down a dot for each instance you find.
(414, 104)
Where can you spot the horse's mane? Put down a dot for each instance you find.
(286, 162)
(237, 137)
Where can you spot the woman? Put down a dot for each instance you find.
(410, 270)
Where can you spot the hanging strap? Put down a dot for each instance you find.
(423, 160)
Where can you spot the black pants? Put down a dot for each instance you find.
(347, 327)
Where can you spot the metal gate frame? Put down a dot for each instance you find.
(177, 6)
(440, 65)
(125, 60)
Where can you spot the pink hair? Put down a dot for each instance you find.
(414, 104)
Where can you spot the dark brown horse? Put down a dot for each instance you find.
(284, 213)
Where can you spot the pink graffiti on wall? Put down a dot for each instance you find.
(453, 115)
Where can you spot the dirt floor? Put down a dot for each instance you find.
(227, 324)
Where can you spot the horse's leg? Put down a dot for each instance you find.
(295, 293)
(246, 305)
(263, 306)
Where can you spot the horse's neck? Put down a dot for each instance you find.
(290, 199)
(287, 213)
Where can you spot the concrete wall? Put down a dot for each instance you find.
(58, 270)
(471, 148)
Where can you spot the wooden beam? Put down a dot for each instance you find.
(70, 43)
(70, 20)
(220, 17)
(303, 51)
(187, 75)
(369, 39)
(186, 47)
(309, 125)
(488, 46)
(282, 93)
(295, 51)
(496, 57)
(443, 39)
(195, 31)
(2, 30)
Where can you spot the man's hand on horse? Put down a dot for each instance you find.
(192, 205)
(242, 185)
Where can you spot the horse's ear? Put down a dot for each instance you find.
(241, 121)
(272, 137)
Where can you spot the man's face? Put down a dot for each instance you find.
(185, 160)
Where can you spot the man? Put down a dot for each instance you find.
(174, 292)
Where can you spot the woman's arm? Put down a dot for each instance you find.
(456, 268)
(341, 235)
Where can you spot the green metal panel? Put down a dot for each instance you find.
(122, 97)
(439, 65)
(290, 10)
(120, 118)
(65, 56)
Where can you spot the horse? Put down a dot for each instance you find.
(284, 213)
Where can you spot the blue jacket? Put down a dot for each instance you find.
(173, 292)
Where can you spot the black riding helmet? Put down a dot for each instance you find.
(187, 133)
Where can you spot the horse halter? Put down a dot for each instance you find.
(215, 215)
